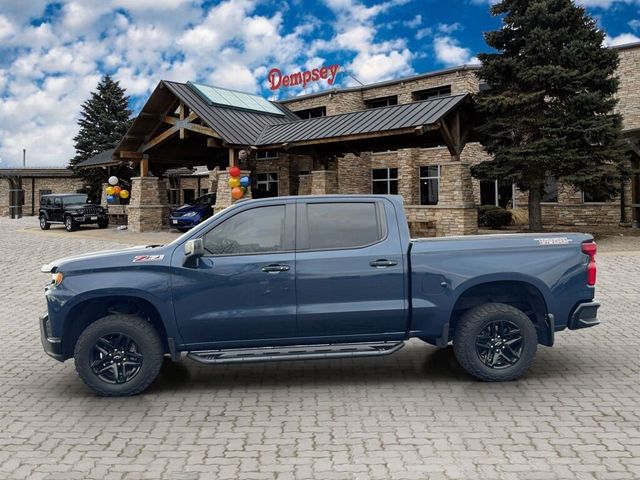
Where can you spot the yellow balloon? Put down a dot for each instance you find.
(109, 190)
(234, 182)
(124, 193)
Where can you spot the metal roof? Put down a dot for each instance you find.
(101, 159)
(373, 121)
(37, 172)
(235, 126)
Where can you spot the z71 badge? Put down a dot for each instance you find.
(147, 258)
(554, 241)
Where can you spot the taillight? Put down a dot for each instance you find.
(590, 249)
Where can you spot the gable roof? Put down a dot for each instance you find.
(101, 159)
(371, 121)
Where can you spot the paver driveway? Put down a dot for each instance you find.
(415, 414)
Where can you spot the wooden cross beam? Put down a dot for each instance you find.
(185, 122)
(159, 139)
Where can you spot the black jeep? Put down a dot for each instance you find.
(71, 209)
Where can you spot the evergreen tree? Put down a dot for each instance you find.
(548, 111)
(104, 120)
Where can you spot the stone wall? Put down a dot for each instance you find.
(629, 88)
(447, 220)
(148, 210)
(32, 187)
(354, 174)
(324, 182)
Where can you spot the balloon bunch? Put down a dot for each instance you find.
(114, 190)
(238, 185)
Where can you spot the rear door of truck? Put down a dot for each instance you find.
(350, 278)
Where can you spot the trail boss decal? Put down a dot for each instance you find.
(554, 241)
(276, 78)
(147, 258)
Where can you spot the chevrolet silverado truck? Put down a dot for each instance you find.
(315, 277)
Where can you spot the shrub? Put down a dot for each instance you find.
(497, 218)
(482, 211)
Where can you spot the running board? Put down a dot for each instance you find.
(296, 352)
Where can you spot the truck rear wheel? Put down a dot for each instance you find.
(495, 342)
(119, 355)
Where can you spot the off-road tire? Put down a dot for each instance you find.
(44, 225)
(103, 223)
(147, 340)
(467, 332)
(70, 224)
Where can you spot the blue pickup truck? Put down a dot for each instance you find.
(317, 277)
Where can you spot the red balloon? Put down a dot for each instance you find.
(234, 171)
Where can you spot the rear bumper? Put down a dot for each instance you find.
(584, 316)
(52, 345)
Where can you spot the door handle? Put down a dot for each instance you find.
(275, 268)
(382, 263)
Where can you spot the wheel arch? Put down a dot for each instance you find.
(519, 293)
(86, 312)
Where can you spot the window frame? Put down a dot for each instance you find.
(288, 231)
(546, 202)
(418, 93)
(386, 98)
(270, 155)
(277, 181)
(421, 178)
(302, 225)
(387, 180)
(322, 109)
(590, 202)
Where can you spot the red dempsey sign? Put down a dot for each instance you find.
(276, 79)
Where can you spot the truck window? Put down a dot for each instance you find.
(258, 230)
(343, 225)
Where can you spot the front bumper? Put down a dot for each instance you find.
(184, 222)
(90, 218)
(584, 316)
(52, 345)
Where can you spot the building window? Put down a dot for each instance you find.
(173, 192)
(204, 191)
(498, 193)
(384, 181)
(550, 192)
(312, 113)
(595, 194)
(266, 154)
(382, 102)
(429, 185)
(304, 172)
(188, 195)
(267, 185)
(429, 93)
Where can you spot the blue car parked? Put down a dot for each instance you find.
(187, 216)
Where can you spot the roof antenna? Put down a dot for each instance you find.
(348, 73)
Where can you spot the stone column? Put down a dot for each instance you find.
(103, 196)
(324, 182)
(148, 210)
(5, 185)
(223, 191)
(408, 178)
(304, 184)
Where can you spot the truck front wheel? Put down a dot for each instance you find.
(119, 355)
(495, 342)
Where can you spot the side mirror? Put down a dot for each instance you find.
(194, 248)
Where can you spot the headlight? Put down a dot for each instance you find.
(190, 214)
(56, 279)
(81, 211)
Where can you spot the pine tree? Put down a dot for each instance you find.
(104, 119)
(548, 111)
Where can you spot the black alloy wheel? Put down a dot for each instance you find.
(499, 344)
(495, 342)
(44, 225)
(116, 358)
(70, 224)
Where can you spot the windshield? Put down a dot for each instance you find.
(206, 200)
(74, 200)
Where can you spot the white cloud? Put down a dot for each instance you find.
(621, 39)
(634, 24)
(449, 52)
(415, 22)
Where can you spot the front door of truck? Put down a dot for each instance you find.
(242, 292)
(350, 271)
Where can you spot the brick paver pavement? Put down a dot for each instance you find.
(413, 415)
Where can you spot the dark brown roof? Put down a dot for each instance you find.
(386, 119)
(101, 159)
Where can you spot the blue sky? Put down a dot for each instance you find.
(52, 54)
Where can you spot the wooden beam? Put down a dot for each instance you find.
(194, 127)
(144, 167)
(232, 157)
(131, 155)
(214, 143)
(449, 140)
(159, 139)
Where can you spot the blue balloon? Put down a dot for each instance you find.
(244, 181)
(110, 198)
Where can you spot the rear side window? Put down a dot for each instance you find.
(343, 225)
(258, 230)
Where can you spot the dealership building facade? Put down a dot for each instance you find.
(412, 136)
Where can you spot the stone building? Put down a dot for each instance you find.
(34, 182)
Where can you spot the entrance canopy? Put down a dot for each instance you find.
(187, 124)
